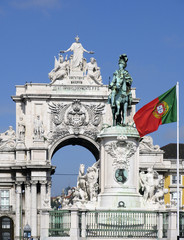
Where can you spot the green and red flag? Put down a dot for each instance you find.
(161, 110)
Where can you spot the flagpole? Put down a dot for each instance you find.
(178, 197)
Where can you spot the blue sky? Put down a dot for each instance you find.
(151, 33)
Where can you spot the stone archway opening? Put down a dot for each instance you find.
(85, 142)
(67, 157)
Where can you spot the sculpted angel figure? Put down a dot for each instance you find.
(78, 50)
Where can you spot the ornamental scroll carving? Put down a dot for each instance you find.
(121, 152)
(76, 118)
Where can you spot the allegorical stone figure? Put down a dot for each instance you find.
(93, 70)
(78, 50)
(21, 129)
(9, 134)
(38, 128)
(60, 70)
(120, 97)
(92, 182)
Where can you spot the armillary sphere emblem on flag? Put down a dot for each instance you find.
(160, 109)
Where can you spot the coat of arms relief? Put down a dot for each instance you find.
(121, 151)
(75, 118)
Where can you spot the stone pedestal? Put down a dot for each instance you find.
(172, 227)
(119, 170)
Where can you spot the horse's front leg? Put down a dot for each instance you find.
(125, 112)
(118, 108)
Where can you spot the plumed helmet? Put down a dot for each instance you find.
(123, 58)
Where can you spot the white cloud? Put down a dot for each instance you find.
(43, 4)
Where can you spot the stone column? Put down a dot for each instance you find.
(18, 216)
(34, 208)
(172, 228)
(49, 184)
(27, 203)
(83, 233)
(44, 204)
(43, 193)
(160, 225)
(74, 230)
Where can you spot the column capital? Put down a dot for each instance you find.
(33, 182)
(18, 183)
(43, 182)
(27, 184)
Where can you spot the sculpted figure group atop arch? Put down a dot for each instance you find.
(75, 65)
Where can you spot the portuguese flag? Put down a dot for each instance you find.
(159, 111)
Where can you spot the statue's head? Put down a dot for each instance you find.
(82, 167)
(92, 60)
(150, 170)
(123, 59)
(61, 59)
(77, 38)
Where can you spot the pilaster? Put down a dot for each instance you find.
(18, 211)
(27, 203)
(34, 208)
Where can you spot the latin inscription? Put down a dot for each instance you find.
(75, 88)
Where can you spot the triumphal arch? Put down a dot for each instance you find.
(75, 107)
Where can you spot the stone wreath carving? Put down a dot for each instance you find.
(121, 152)
(76, 117)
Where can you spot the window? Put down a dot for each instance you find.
(174, 197)
(6, 223)
(174, 179)
(4, 199)
(6, 228)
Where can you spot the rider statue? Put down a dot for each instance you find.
(120, 97)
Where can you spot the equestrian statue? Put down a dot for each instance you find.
(121, 96)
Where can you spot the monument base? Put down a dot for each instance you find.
(120, 201)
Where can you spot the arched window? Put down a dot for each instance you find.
(6, 228)
(5, 223)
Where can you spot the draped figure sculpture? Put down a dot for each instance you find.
(121, 96)
(78, 50)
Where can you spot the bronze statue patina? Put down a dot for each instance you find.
(121, 96)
